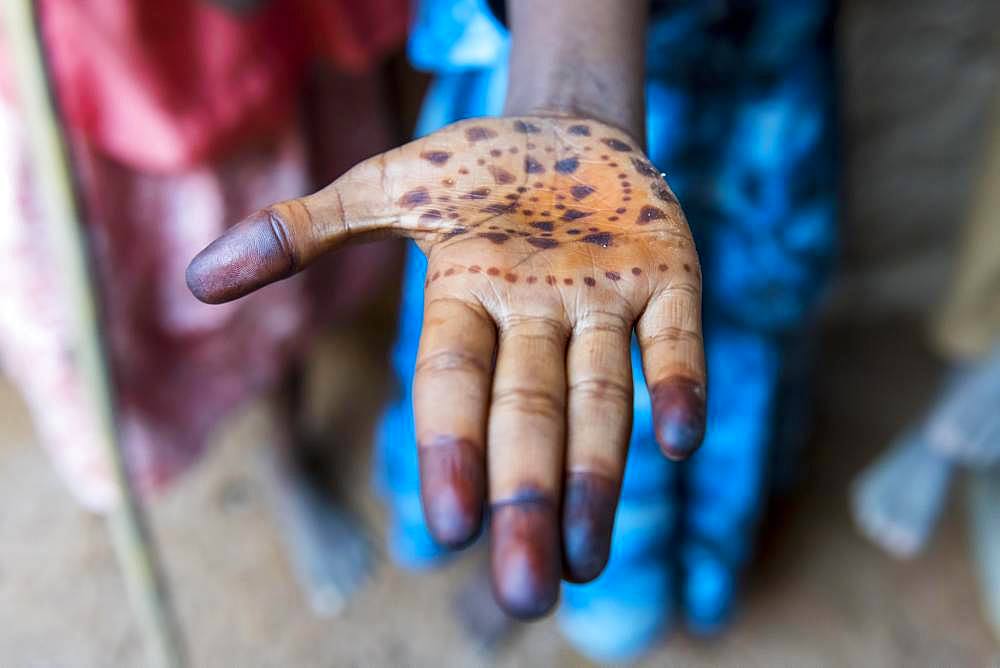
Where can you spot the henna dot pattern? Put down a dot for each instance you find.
(616, 145)
(567, 165)
(602, 239)
(438, 158)
(415, 198)
(532, 166)
(501, 175)
(479, 133)
(648, 214)
(525, 127)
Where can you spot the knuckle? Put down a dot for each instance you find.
(601, 390)
(530, 401)
(672, 335)
(533, 327)
(446, 304)
(441, 362)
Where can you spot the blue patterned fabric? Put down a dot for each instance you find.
(740, 117)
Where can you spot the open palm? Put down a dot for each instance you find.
(549, 239)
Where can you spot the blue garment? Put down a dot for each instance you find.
(740, 117)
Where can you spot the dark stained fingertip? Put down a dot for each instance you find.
(679, 416)
(452, 489)
(589, 504)
(524, 536)
(248, 256)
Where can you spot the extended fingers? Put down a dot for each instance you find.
(673, 361)
(451, 389)
(526, 432)
(599, 419)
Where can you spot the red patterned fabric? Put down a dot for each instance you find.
(182, 118)
(165, 84)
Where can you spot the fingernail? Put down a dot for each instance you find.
(452, 489)
(679, 416)
(248, 256)
(589, 504)
(525, 555)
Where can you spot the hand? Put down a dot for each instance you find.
(548, 239)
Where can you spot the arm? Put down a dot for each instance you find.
(583, 58)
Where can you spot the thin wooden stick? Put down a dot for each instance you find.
(983, 503)
(132, 542)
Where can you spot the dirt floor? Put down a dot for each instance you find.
(819, 595)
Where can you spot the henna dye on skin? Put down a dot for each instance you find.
(437, 158)
(499, 209)
(542, 242)
(616, 145)
(525, 557)
(454, 232)
(479, 133)
(429, 216)
(567, 165)
(589, 503)
(415, 198)
(259, 242)
(452, 489)
(532, 166)
(602, 239)
(648, 214)
(678, 416)
(478, 193)
(663, 192)
(645, 168)
(501, 175)
(574, 214)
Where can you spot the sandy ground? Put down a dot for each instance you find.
(819, 595)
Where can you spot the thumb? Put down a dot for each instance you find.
(284, 238)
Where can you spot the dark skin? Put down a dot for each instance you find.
(550, 238)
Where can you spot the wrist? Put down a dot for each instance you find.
(579, 58)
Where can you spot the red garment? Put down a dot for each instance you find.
(182, 118)
(165, 84)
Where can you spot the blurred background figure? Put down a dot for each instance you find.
(898, 500)
(181, 118)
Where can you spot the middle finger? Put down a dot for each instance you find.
(526, 437)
